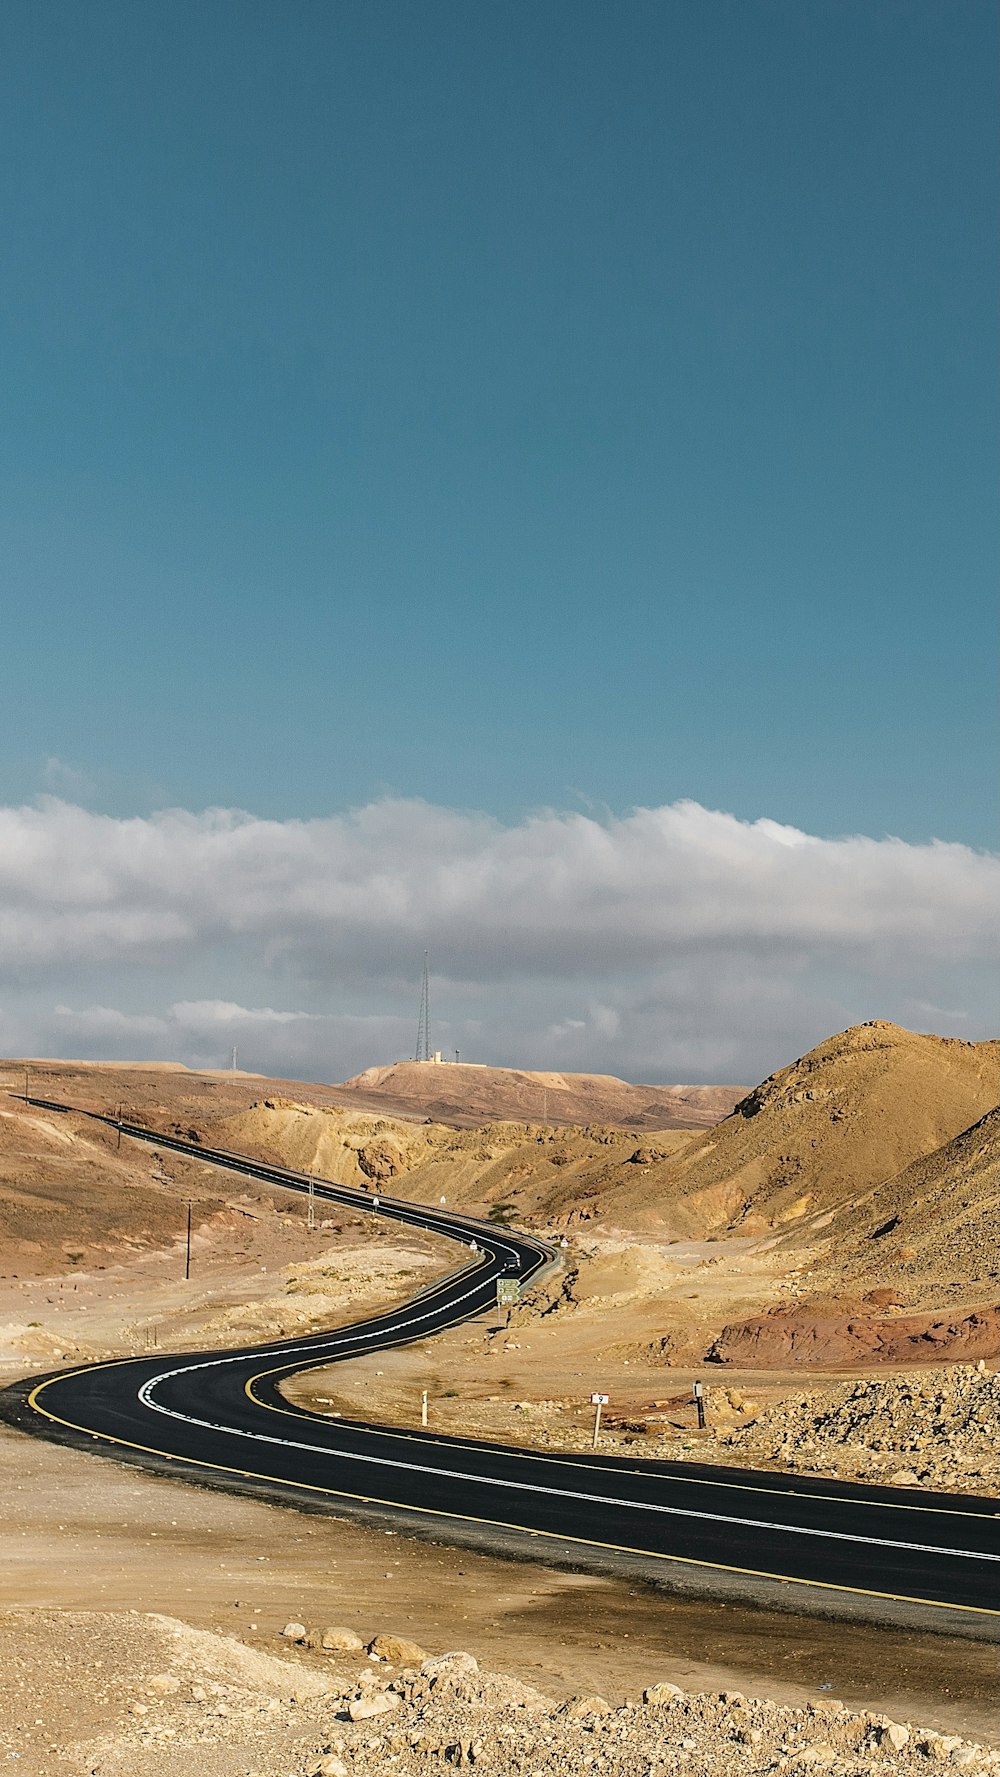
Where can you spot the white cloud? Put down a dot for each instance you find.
(628, 942)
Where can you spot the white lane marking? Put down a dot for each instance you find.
(879, 1542)
(145, 1396)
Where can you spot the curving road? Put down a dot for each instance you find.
(220, 1417)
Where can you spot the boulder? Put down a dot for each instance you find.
(341, 1641)
(450, 1665)
(164, 1684)
(895, 1733)
(295, 1632)
(378, 1703)
(662, 1693)
(397, 1651)
(579, 1708)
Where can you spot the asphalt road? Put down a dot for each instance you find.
(221, 1416)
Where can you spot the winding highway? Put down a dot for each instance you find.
(220, 1417)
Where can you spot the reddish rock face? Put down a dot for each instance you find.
(774, 1341)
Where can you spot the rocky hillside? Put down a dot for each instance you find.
(522, 1171)
(68, 1195)
(457, 1091)
(939, 1429)
(148, 1693)
(818, 1136)
(938, 1218)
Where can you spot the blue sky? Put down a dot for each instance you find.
(528, 406)
(506, 405)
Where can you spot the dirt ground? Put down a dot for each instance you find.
(628, 1314)
(81, 1532)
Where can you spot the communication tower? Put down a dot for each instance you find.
(424, 1019)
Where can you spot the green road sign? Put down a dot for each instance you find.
(508, 1292)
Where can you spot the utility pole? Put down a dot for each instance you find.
(311, 1216)
(25, 1085)
(187, 1249)
(235, 1054)
(118, 1120)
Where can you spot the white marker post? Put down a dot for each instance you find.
(597, 1401)
(699, 1401)
(423, 1407)
(311, 1214)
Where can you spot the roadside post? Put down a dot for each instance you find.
(597, 1401)
(187, 1247)
(699, 1400)
(508, 1296)
(423, 1407)
(311, 1213)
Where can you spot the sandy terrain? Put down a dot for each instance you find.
(93, 1244)
(147, 1692)
(81, 1533)
(456, 1092)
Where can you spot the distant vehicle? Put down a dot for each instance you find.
(512, 1262)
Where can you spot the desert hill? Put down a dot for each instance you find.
(819, 1135)
(465, 1093)
(937, 1219)
(871, 1161)
(67, 1193)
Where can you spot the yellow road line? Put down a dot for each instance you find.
(617, 1465)
(498, 1523)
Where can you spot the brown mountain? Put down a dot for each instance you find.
(465, 1093)
(820, 1134)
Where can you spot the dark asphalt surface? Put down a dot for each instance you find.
(222, 1412)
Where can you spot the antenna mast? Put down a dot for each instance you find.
(424, 1020)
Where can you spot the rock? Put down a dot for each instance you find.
(450, 1665)
(397, 1651)
(896, 1734)
(330, 1766)
(578, 1708)
(341, 1641)
(164, 1684)
(294, 1632)
(904, 1477)
(363, 1708)
(661, 1693)
(138, 1709)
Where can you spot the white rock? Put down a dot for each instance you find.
(342, 1641)
(164, 1684)
(450, 1664)
(295, 1632)
(363, 1708)
(662, 1693)
(897, 1734)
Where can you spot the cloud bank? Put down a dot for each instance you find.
(669, 942)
